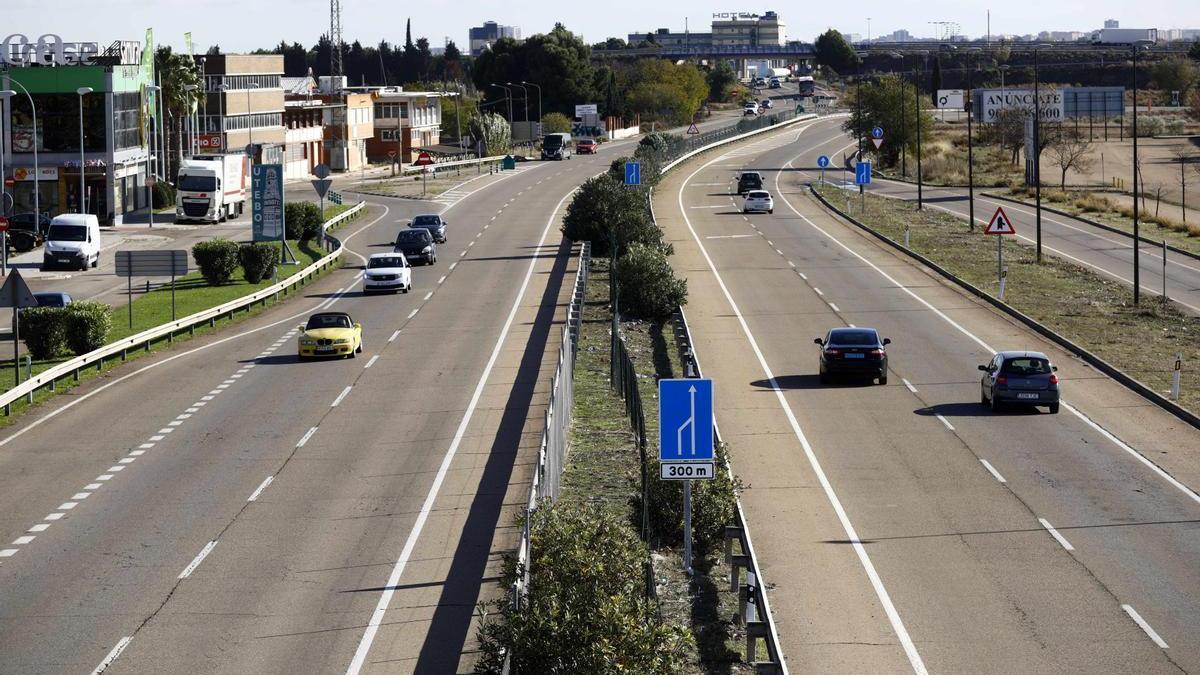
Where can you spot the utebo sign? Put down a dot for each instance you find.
(993, 101)
(267, 203)
(49, 50)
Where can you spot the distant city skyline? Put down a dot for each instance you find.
(245, 26)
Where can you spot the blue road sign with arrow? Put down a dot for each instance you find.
(633, 173)
(877, 132)
(862, 173)
(823, 161)
(685, 420)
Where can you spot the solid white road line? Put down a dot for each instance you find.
(987, 465)
(263, 486)
(909, 385)
(187, 571)
(307, 435)
(1054, 533)
(112, 656)
(946, 422)
(729, 236)
(910, 649)
(1137, 618)
(385, 598)
(341, 396)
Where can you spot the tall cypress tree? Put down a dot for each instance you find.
(937, 80)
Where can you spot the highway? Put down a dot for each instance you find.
(222, 507)
(905, 528)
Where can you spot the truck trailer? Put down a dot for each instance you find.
(211, 189)
(1125, 36)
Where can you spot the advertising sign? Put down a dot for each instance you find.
(950, 99)
(209, 141)
(267, 201)
(586, 109)
(992, 101)
(49, 50)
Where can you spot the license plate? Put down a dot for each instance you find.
(324, 349)
(1027, 395)
(855, 356)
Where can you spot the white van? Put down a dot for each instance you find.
(72, 241)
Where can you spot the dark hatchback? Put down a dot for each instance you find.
(434, 223)
(1019, 377)
(417, 244)
(853, 351)
(749, 180)
(26, 231)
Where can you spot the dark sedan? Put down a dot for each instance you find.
(417, 244)
(1019, 377)
(26, 231)
(434, 223)
(853, 351)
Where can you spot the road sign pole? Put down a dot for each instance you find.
(129, 284)
(16, 322)
(172, 292)
(687, 527)
(1164, 271)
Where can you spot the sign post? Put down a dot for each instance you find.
(685, 442)
(132, 264)
(423, 160)
(4, 233)
(321, 185)
(1175, 377)
(1000, 225)
(16, 294)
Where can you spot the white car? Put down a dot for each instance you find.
(758, 200)
(750, 109)
(387, 272)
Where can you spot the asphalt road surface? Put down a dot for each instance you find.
(905, 528)
(222, 507)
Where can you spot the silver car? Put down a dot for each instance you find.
(1026, 378)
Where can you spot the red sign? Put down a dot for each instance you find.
(9, 181)
(209, 141)
(423, 159)
(3, 224)
(1000, 224)
(391, 153)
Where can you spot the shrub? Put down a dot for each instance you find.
(651, 164)
(556, 123)
(163, 194)
(258, 260)
(603, 207)
(713, 505)
(647, 287)
(1149, 126)
(217, 260)
(586, 591)
(303, 220)
(44, 330)
(87, 326)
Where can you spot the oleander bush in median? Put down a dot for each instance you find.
(303, 220)
(258, 260)
(647, 287)
(87, 326)
(603, 207)
(217, 260)
(44, 331)
(585, 610)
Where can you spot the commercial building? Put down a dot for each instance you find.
(115, 120)
(743, 29)
(666, 38)
(404, 122)
(483, 37)
(243, 104)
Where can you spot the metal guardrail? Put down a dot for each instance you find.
(411, 169)
(732, 133)
(553, 450)
(754, 609)
(143, 340)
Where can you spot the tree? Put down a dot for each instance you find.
(887, 103)
(214, 50)
(1194, 51)
(833, 51)
(721, 81)
(457, 112)
(494, 132)
(936, 79)
(1067, 149)
(452, 63)
(1007, 131)
(176, 72)
(556, 123)
(1174, 74)
(604, 208)
(661, 90)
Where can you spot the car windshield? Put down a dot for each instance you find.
(552, 142)
(50, 300)
(67, 233)
(758, 195)
(427, 221)
(197, 183)
(412, 236)
(318, 321)
(390, 261)
(853, 338)
(1027, 365)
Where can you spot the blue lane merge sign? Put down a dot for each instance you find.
(823, 161)
(862, 173)
(633, 173)
(877, 132)
(685, 420)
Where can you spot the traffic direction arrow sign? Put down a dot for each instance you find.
(685, 415)
(877, 132)
(823, 161)
(1000, 224)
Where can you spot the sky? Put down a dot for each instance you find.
(242, 25)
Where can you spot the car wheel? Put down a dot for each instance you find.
(359, 350)
(770, 210)
(883, 379)
(96, 262)
(994, 404)
(1053, 408)
(983, 399)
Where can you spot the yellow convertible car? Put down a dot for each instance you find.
(330, 334)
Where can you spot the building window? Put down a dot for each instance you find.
(236, 82)
(127, 124)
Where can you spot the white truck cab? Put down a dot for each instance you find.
(72, 241)
(212, 189)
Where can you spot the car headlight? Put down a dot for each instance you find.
(427, 249)
(341, 341)
(308, 342)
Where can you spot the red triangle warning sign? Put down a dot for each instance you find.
(1000, 224)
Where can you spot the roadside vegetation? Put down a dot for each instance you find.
(1092, 311)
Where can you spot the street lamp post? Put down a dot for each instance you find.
(970, 146)
(1136, 242)
(508, 98)
(149, 175)
(37, 210)
(1037, 152)
(221, 88)
(539, 91)
(524, 99)
(920, 174)
(82, 91)
(6, 96)
(250, 122)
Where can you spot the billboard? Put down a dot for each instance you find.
(267, 202)
(992, 101)
(950, 99)
(1056, 104)
(586, 109)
